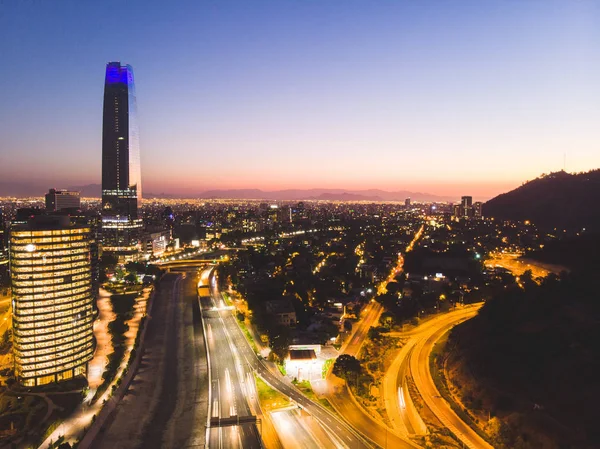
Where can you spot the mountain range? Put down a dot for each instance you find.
(95, 190)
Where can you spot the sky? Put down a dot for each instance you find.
(446, 97)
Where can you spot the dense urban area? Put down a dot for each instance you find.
(311, 316)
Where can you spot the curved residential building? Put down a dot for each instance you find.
(53, 312)
(121, 172)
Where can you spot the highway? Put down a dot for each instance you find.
(418, 354)
(395, 378)
(401, 412)
(231, 381)
(300, 431)
(373, 429)
(224, 323)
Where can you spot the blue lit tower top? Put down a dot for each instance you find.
(121, 173)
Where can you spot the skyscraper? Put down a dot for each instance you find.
(121, 173)
(53, 311)
(466, 206)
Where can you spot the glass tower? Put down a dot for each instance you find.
(121, 174)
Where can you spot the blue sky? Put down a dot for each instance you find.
(448, 97)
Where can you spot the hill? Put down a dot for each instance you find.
(530, 359)
(559, 200)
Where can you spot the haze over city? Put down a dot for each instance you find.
(440, 97)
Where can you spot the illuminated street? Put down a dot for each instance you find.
(301, 432)
(419, 366)
(369, 317)
(400, 409)
(397, 269)
(230, 395)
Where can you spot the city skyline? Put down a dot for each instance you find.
(286, 95)
(363, 224)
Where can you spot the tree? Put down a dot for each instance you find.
(388, 319)
(131, 278)
(347, 367)
(280, 339)
(393, 287)
(374, 333)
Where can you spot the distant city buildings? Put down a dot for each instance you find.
(121, 173)
(53, 311)
(468, 209)
(478, 209)
(2, 237)
(407, 202)
(155, 243)
(62, 199)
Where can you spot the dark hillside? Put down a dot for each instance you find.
(559, 200)
(533, 356)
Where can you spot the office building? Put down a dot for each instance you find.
(53, 311)
(121, 173)
(62, 199)
(156, 243)
(407, 202)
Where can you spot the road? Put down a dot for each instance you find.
(395, 389)
(338, 395)
(401, 412)
(231, 379)
(371, 314)
(374, 430)
(420, 370)
(300, 430)
(248, 360)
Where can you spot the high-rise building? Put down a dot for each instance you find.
(91, 219)
(478, 209)
(2, 237)
(53, 311)
(466, 201)
(121, 173)
(466, 206)
(407, 202)
(62, 199)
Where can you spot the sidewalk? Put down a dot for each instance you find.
(92, 416)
